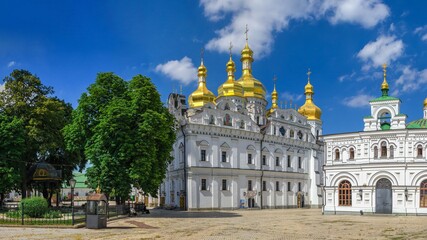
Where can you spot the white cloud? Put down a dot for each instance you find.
(11, 64)
(421, 31)
(181, 70)
(287, 96)
(384, 49)
(411, 79)
(361, 100)
(267, 17)
(366, 13)
(424, 37)
(346, 77)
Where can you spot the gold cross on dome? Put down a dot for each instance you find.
(246, 32)
(202, 52)
(231, 47)
(308, 74)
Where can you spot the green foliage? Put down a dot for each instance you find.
(14, 214)
(53, 214)
(34, 206)
(12, 143)
(125, 131)
(41, 118)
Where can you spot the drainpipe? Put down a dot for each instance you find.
(185, 170)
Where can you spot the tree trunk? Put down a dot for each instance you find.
(1, 199)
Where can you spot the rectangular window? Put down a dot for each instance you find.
(289, 186)
(277, 161)
(249, 158)
(203, 155)
(223, 156)
(299, 187)
(204, 187)
(224, 185)
(289, 160)
(249, 185)
(264, 160)
(277, 186)
(264, 185)
(299, 162)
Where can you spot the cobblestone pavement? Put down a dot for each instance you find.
(239, 224)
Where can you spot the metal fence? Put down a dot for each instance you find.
(13, 214)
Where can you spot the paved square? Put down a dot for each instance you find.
(240, 224)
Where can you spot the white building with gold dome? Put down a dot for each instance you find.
(232, 152)
(382, 169)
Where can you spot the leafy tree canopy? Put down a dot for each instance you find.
(126, 133)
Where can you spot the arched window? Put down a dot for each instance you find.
(385, 120)
(391, 152)
(291, 133)
(375, 152)
(299, 135)
(226, 107)
(419, 151)
(351, 153)
(227, 120)
(344, 193)
(423, 194)
(274, 130)
(337, 154)
(282, 131)
(211, 120)
(242, 124)
(383, 150)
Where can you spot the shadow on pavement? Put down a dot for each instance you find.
(161, 213)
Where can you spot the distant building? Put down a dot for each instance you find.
(233, 152)
(382, 169)
(81, 190)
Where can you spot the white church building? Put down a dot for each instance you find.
(232, 152)
(382, 169)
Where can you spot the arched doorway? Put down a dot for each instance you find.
(384, 196)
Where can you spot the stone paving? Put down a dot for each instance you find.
(239, 224)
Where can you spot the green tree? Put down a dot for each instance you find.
(43, 117)
(12, 139)
(126, 133)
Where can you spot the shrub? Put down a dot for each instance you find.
(53, 214)
(34, 207)
(14, 214)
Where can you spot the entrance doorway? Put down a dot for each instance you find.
(384, 196)
(251, 202)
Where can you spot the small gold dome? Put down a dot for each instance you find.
(202, 95)
(309, 109)
(230, 88)
(425, 102)
(384, 85)
(247, 53)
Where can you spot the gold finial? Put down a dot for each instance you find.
(274, 80)
(202, 52)
(229, 48)
(308, 74)
(246, 33)
(98, 189)
(385, 70)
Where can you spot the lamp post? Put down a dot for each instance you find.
(72, 183)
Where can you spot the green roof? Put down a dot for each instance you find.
(384, 98)
(81, 180)
(368, 117)
(420, 123)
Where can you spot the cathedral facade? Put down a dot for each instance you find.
(232, 152)
(382, 169)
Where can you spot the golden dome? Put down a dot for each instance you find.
(251, 86)
(202, 95)
(309, 109)
(230, 88)
(274, 96)
(425, 102)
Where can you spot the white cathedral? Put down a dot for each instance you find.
(232, 152)
(382, 169)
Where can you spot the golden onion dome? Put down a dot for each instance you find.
(230, 88)
(251, 86)
(309, 109)
(202, 95)
(425, 102)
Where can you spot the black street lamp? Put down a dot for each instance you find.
(72, 183)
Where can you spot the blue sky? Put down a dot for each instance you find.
(344, 42)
